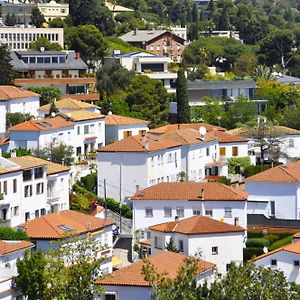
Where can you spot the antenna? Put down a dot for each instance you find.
(202, 132)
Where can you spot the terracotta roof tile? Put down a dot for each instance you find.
(197, 225)
(83, 115)
(111, 120)
(289, 173)
(54, 81)
(8, 92)
(43, 124)
(191, 191)
(136, 144)
(276, 130)
(12, 246)
(55, 226)
(165, 261)
(8, 168)
(30, 161)
(67, 103)
(146, 243)
(83, 97)
(195, 126)
(225, 137)
(4, 141)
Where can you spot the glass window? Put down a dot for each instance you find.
(168, 212)
(27, 216)
(296, 263)
(180, 245)
(28, 191)
(32, 60)
(209, 212)
(37, 213)
(180, 212)
(40, 59)
(43, 211)
(214, 250)
(47, 60)
(14, 185)
(5, 187)
(86, 129)
(16, 210)
(196, 211)
(92, 128)
(148, 212)
(228, 212)
(235, 151)
(38, 172)
(55, 59)
(62, 59)
(207, 151)
(127, 134)
(40, 188)
(158, 242)
(25, 60)
(27, 175)
(78, 130)
(273, 262)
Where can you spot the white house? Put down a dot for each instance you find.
(119, 127)
(275, 192)
(66, 105)
(10, 252)
(136, 162)
(32, 187)
(47, 229)
(285, 259)
(13, 100)
(129, 283)
(165, 201)
(215, 241)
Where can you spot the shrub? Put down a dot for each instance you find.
(9, 234)
(257, 242)
(280, 243)
(89, 182)
(255, 234)
(238, 162)
(80, 203)
(250, 253)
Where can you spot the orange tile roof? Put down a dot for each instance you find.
(37, 125)
(195, 126)
(8, 92)
(82, 115)
(54, 81)
(4, 141)
(83, 97)
(197, 225)
(28, 161)
(49, 226)
(12, 246)
(293, 247)
(136, 144)
(224, 137)
(67, 103)
(289, 173)
(112, 120)
(146, 243)
(168, 262)
(191, 191)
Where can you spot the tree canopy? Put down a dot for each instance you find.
(7, 74)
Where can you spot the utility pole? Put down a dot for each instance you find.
(105, 201)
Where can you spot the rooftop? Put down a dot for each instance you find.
(67, 103)
(220, 84)
(138, 143)
(166, 261)
(112, 120)
(83, 97)
(190, 191)
(8, 92)
(43, 124)
(196, 126)
(83, 115)
(63, 223)
(197, 225)
(225, 137)
(54, 81)
(12, 246)
(289, 173)
(26, 162)
(7, 166)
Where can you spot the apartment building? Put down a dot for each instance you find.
(20, 38)
(31, 187)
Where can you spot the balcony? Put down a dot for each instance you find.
(52, 196)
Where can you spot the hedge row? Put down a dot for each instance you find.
(257, 242)
(252, 252)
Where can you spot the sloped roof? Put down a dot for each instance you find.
(276, 130)
(60, 224)
(83, 97)
(197, 225)
(196, 126)
(67, 103)
(12, 246)
(8, 92)
(83, 115)
(111, 120)
(289, 173)
(136, 144)
(225, 137)
(30, 161)
(43, 124)
(191, 191)
(54, 81)
(166, 261)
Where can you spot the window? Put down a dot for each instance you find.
(37, 213)
(5, 187)
(28, 191)
(14, 185)
(43, 211)
(86, 129)
(158, 242)
(209, 213)
(110, 296)
(180, 245)
(168, 212)
(27, 175)
(152, 161)
(196, 211)
(16, 211)
(273, 262)
(142, 132)
(235, 151)
(222, 151)
(214, 250)
(78, 130)
(27, 216)
(92, 128)
(127, 134)
(78, 151)
(228, 212)
(296, 263)
(180, 212)
(148, 235)
(291, 143)
(207, 151)
(157, 47)
(228, 266)
(38, 172)
(40, 188)
(148, 212)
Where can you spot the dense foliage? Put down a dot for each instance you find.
(9, 234)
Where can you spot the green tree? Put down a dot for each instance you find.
(48, 94)
(43, 42)
(88, 40)
(171, 246)
(80, 203)
(183, 107)
(37, 18)
(291, 116)
(9, 234)
(31, 277)
(7, 74)
(10, 20)
(245, 64)
(13, 119)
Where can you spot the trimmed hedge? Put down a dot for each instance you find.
(280, 243)
(257, 242)
(250, 253)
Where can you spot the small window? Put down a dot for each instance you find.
(158, 242)
(207, 151)
(111, 296)
(27, 216)
(142, 132)
(196, 211)
(228, 266)
(16, 210)
(78, 130)
(14, 186)
(168, 212)
(296, 263)
(180, 212)
(37, 213)
(127, 133)
(235, 151)
(222, 151)
(180, 245)
(28, 191)
(273, 262)
(43, 211)
(5, 187)
(228, 212)
(27, 175)
(209, 213)
(214, 250)
(148, 212)
(92, 128)
(86, 129)
(38, 172)
(40, 188)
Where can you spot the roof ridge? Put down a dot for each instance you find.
(45, 219)
(285, 171)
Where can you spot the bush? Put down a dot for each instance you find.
(257, 242)
(255, 234)
(80, 203)
(9, 234)
(238, 162)
(250, 253)
(252, 170)
(281, 243)
(89, 182)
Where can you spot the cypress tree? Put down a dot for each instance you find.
(183, 107)
(7, 74)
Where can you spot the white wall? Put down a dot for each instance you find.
(285, 263)
(24, 105)
(2, 117)
(127, 292)
(242, 149)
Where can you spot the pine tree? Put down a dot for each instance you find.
(37, 18)
(7, 74)
(53, 109)
(183, 107)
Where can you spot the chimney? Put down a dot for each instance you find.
(202, 194)
(178, 126)
(236, 221)
(137, 188)
(176, 218)
(77, 55)
(134, 31)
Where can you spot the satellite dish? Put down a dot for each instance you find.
(69, 115)
(53, 114)
(265, 249)
(202, 131)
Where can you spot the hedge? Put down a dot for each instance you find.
(250, 253)
(257, 242)
(9, 234)
(281, 243)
